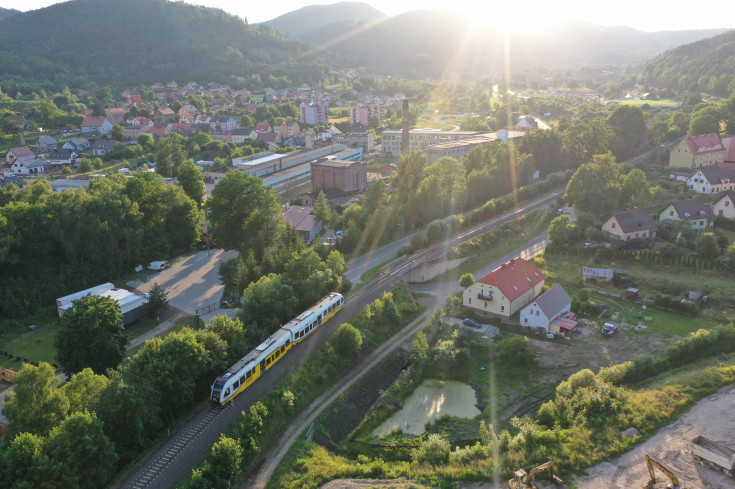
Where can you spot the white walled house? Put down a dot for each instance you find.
(504, 291)
(712, 180)
(725, 205)
(545, 308)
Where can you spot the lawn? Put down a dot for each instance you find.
(35, 345)
(652, 103)
(533, 225)
(431, 123)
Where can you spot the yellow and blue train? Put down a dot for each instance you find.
(246, 371)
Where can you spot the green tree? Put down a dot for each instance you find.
(635, 185)
(707, 247)
(85, 165)
(245, 214)
(222, 467)
(229, 272)
(191, 180)
(37, 404)
(560, 230)
(79, 454)
(19, 462)
(703, 124)
(170, 155)
(629, 126)
(91, 335)
(145, 141)
(84, 390)
(157, 301)
(231, 332)
(266, 304)
(117, 132)
(596, 187)
(466, 280)
(347, 341)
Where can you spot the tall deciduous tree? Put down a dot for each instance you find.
(91, 335)
(629, 126)
(245, 214)
(79, 454)
(170, 155)
(191, 180)
(222, 468)
(37, 404)
(597, 186)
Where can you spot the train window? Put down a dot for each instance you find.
(268, 361)
(247, 375)
(227, 392)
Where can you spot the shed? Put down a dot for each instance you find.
(695, 293)
(599, 274)
(631, 293)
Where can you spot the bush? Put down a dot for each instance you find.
(433, 451)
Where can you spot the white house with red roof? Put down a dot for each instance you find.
(698, 151)
(504, 291)
(96, 124)
(303, 220)
(263, 127)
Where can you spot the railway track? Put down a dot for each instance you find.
(147, 477)
(175, 447)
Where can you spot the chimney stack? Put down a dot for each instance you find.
(404, 135)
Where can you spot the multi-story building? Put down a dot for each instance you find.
(698, 151)
(458, 149)
(420, 140)
(355, 139)
(343, 176)
(313, 113)
(360, 115)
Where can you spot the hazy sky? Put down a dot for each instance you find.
(646, 15)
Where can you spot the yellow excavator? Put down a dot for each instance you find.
(651, 464)
(523, 480)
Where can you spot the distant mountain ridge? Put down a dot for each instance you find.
(7, 12)
(425, 42)
(300, 23)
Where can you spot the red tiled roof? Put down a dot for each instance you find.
(514, 278)
(268, 137)
(166, 111)
(19, 119)
(21, 151)
(706, 143)
(300, 218)
(93, 121)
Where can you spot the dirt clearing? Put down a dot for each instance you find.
(713, 417)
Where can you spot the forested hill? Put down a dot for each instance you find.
(300, 23)
(7, 12)
(126, 42)
(705, 65)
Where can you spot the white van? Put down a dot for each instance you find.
(157, 265)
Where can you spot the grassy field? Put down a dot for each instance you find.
(534, 224)
(652, 103)
(431, 123)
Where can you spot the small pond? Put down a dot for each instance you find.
(430, 401)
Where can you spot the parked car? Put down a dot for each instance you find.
(592, 245)
(608, 329)
(158, 265)
(472, 323)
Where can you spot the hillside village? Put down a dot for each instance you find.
(364, 279)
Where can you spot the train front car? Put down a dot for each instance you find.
(215, 395)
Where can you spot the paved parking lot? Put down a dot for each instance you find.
(192, 281)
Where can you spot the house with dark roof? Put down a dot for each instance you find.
(62, 157)
(697, 214)
(303, 220)
(102, 146)
(46, 144)
(630, 224)
(14, 179)
(77, 144)
(712, 180)
(698, 152)
(725, 205)
(243, 134)
(553, 303)
(506, 290)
